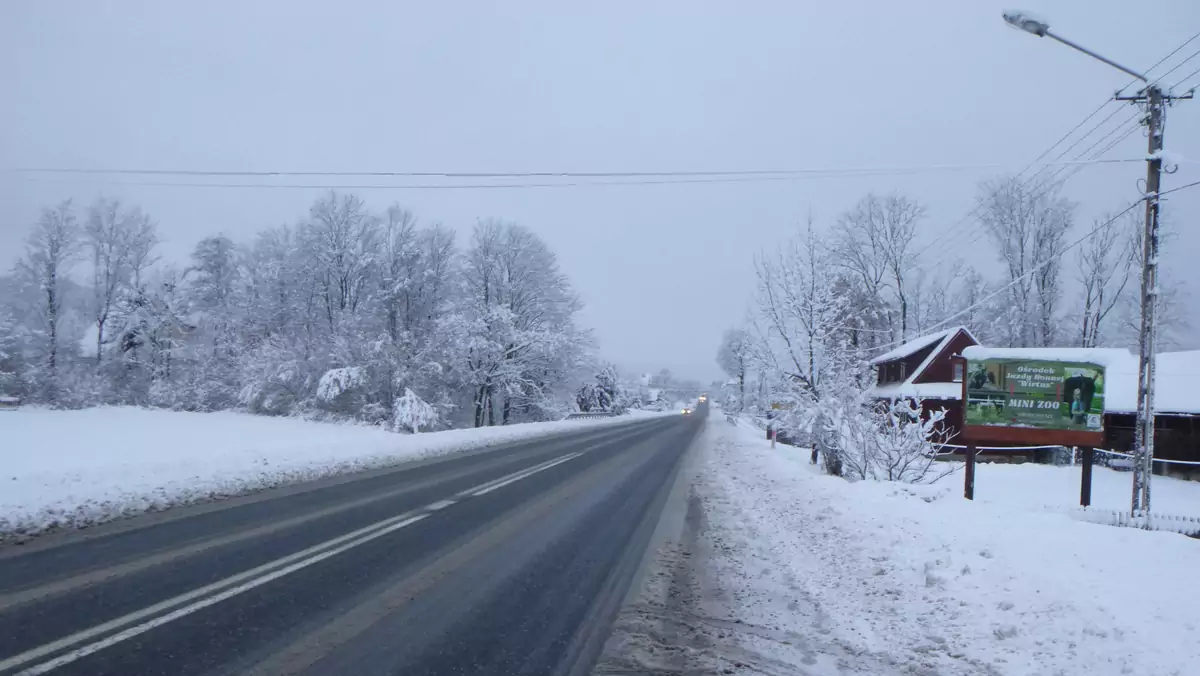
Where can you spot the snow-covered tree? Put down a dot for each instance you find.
(1106, 265)
(8, 348)
(733, 357)
(874, 242)
(338, 387)
(603, 395)
(797, 329)
(518, 314)
(341, 314)
(119, 242)
(411, 413)
(51, 251)
(342, 239)
(1028, 225)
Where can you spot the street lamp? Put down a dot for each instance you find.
(1156, 101)
(1030, 23)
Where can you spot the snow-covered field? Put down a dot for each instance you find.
(1033, 487)
(797, 572)
(75, 468)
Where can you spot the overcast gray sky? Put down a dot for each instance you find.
(554, 86)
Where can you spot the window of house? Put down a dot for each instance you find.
(958, 372)
(902, 369)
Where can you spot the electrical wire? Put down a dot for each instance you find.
(737, 173)
(1048, 262)
(1158, 63)
(1021, 278)
(1176, 67)
(1188, 77)
(954, 236)
(954, 228)
(1188, 185)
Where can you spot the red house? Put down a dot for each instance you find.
(924, 370)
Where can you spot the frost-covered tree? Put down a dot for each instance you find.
(733, 357)
(119, 242)
(810, 360)
(603, 395)
(797, 323)
(518, 313)
(213, 301)
(341, 314)
(411, 413)
(874, 243)
(8, 349)
(1106, 271)
(342, 240)
(51, 251)
(1028, 225)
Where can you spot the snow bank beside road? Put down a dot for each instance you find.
(806, 572)
(75, 468)
(1038, 487)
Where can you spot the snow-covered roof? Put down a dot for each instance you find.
(1175, 374)
(910, 389)
(1102, 356)
(1175, 378)
(917, 344)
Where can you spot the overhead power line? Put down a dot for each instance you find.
(955, 236)
(1176, 67)
(1038, 268)
(1158, 63)
(756, 173)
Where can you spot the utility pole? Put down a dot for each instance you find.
(1156, 102)
(1143, 442)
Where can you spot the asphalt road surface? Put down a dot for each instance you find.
(510, 561)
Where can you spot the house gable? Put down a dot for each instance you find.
(941, 368)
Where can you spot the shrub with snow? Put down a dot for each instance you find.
(412, 413)
(339, 389)
(888, 442)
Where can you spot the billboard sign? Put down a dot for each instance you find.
(1035, 394)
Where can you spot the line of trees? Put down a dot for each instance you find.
(828, 301)
(349, 312)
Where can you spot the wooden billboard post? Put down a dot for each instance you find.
(969, 479)
(1031, 401)
(1085, 485)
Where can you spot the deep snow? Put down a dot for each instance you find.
(1044, 487)
(793, 571)
(76, 468)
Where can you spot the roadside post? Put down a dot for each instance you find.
(969, 476)
(1085, 485)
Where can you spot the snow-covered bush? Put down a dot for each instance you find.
(883, 441)
(340, 389)
(411, 413)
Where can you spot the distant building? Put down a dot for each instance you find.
(1176, 398)
(924, 370)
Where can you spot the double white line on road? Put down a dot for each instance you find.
(198, 599)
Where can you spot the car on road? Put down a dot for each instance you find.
(687, 411)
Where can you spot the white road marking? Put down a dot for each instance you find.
(244, 581)
(86, 650)
(519, 474)
(504, 482)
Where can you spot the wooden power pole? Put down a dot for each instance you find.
(1143, 443)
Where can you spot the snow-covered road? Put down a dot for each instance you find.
(784, 570)
(77, 468)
